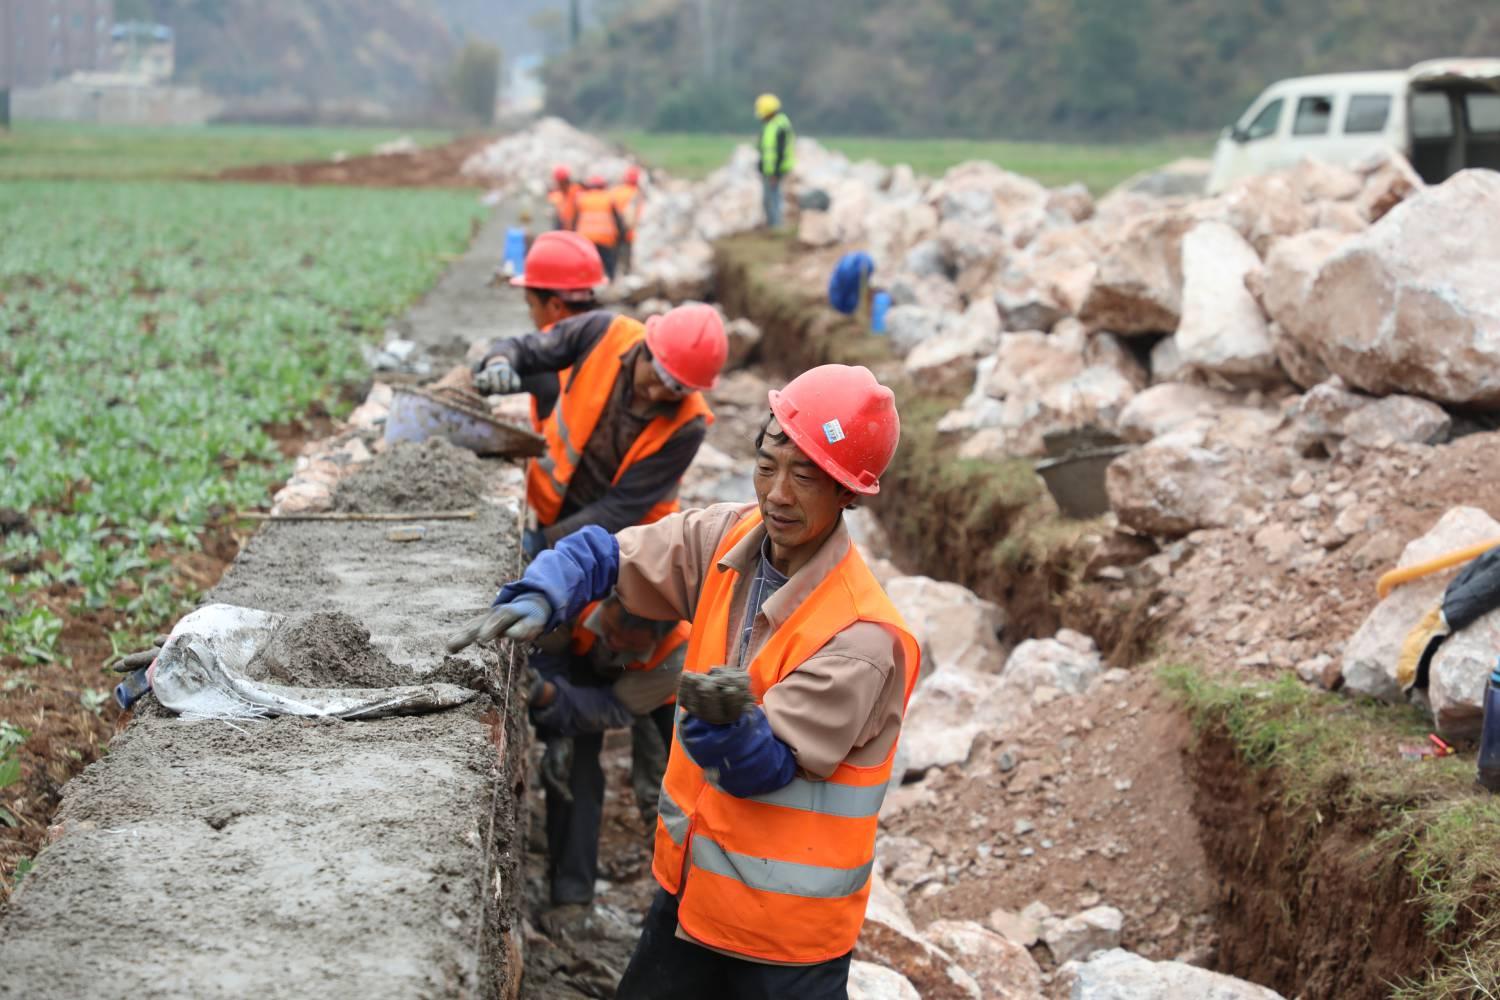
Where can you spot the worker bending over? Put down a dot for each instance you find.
(628, 420)
(766, 836)
(610, 670)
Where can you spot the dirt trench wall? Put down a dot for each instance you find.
(1310, 903)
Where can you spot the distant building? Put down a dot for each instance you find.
(147, 50)
(46, 40)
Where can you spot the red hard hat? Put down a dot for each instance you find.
(842, 419)
(632, 174)
(594, 181)
(561, 261)
(561, 173)
(689, 344)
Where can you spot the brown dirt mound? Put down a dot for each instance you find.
(434, 167)
(433, 475)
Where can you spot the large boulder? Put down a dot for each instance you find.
(1119, 975)
(868, 981)
(1024, 305)
(960, 628)
(1003, 969)
(1174, 485)
(948, 712)
(894, 228)
(1371, 656)
(987, 196)
(1223, 332)
(1459, 674)
(1167, 406)
(1079, 936)
(1409, 305)
(910, 325)
(946, 364)
(1283, 287)
(1329, 415)
(1389, 180)
(1268, 206)
(1068, 662)
(1180, 178)
(890, 939)
(1138, 286)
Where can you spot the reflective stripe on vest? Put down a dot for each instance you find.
(581, 400)
(596, 218)
(784, 876)
(768, 145)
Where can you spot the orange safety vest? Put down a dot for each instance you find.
(782, 877)
(585, 393)
(583, 640)
(596, 217)
(565, 205)
(628, 202)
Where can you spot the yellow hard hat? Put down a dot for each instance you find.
(767, 105)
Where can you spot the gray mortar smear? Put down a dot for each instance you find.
(433, 475)
(297, 858)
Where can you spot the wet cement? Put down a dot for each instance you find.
(292, 858)
(433, 475)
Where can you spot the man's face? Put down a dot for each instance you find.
(648, 386)
(544, 311)
(618, 638)
(799, 502)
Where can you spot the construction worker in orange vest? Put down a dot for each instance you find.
(599, 221)
(563, 197)
(561, 273)
(611, 670)
(765, 840)
(629, 200)
(629, 418)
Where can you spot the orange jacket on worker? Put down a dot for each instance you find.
(628, 202)
(585, 393)
(781, 877)
(565, 205)
(597, 221)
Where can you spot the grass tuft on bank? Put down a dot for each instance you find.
(1333, 755)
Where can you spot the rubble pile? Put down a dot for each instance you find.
(521, 164)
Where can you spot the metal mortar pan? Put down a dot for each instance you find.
(1076, 481)
(418, 414)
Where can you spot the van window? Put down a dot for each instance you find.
(1367, 113)
(1266, 122)
(1314, 115)
(1483, 111)
(1431, 118)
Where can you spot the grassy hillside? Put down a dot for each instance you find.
(1001, 68)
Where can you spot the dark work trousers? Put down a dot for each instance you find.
(665, 967)
(650, 742)
(573, 829)
(608, 256)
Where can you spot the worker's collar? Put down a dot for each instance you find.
(746, 554)
(627, 372)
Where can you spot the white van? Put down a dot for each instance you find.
(1443, 115)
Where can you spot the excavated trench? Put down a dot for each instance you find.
(1307, 902)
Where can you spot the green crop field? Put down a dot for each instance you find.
(148, 333)
(48, 150)
(1099, 166)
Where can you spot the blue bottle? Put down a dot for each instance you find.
(515, 250)
(1489, 740)
(878, 308)
(130, 690)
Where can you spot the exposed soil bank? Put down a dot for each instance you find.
(1310, 903)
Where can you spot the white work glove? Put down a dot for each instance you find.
(497, 379)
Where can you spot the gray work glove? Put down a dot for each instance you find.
(497, 379)
(523, 619)
(718, 697)
(557, 767)
(134, 661)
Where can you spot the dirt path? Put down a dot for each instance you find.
(289, 858)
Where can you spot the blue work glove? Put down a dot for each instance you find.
(521, 618)
(533, 543)
(743, 758)
(577, 710)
